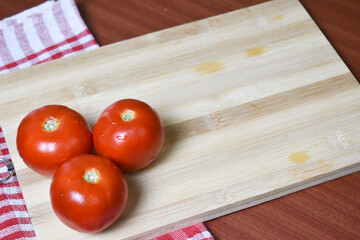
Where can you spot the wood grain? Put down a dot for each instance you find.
(342, 31)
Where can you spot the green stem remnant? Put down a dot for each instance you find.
(51, 125)
(127, 116)
(92, 176)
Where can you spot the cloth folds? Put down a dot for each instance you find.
(49, 31)
(15, 221)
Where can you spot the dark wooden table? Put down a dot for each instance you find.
(328, 211)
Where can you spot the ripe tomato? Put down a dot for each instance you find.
(130, 133)
(88, 193)
(49, 136)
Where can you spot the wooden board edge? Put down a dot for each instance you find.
(251, 202)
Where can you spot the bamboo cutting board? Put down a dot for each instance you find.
(256, 105)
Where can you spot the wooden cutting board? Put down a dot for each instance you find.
(256, 104)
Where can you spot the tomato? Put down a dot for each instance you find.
(88, 193)
(130, 133)
(51, 135)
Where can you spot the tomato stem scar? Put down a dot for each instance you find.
(51, 125)
(91, 176)
(127, 116)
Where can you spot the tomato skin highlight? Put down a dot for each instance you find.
(43, 146)
(130, 133)
(84, 206)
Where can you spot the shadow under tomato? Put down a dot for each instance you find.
(135, 188)
(172, 135)
(134, 196)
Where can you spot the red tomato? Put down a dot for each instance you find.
(88, 193)
(51, 135)
(130, 133)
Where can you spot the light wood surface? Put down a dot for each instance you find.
(249, 116)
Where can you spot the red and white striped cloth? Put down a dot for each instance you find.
(49, 31)
(195, 232)
(43, 33)
(15, 222)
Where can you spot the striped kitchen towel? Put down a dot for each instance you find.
(49, 31)
(195, 232)
(15, 222)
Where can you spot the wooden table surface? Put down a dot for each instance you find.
(328, 211)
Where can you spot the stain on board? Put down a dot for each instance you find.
(299, 157)
(209, 67)
(277, 17)
(254, 52)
